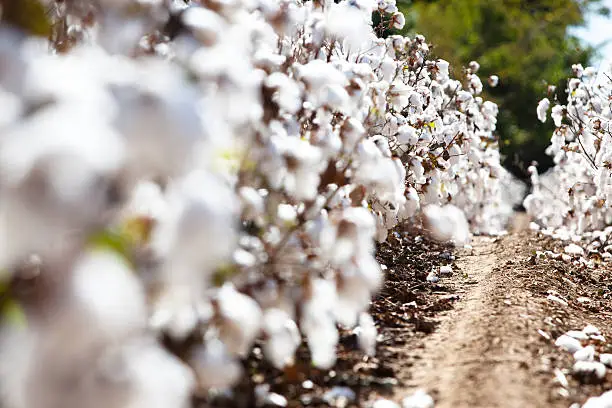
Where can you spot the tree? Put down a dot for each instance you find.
(525, 42)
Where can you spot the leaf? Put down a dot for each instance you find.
(12, 313)
(137, 230)
(27, 15)
(112, 241)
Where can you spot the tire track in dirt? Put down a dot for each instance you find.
(480, 355)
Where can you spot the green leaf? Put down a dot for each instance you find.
(12, 313)
(28, 15)
(112, 241)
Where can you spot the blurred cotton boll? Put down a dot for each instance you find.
(240, 320)
(447, 223)
(197, 232)
(214, 366)
(283, 337)
(109, 292)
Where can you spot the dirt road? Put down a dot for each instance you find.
(479, 356)
(487, 351)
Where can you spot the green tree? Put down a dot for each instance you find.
(525, 42)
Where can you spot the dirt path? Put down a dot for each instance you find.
(495, 346)
(479, 356)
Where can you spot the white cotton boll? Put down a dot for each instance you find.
(335, 97)
(447, 223)
(412, 203)
(474, 66)
(603, 401)
(206, 25)
(288, 94)
(384, 403)
(542, 110)
(355, 287)
(579, 335)
(388, 68)
(318, 73)
(493, 81)
(606, 358)
(241, 320)
(16, 353)
(287, 214)
(109, 292)
(214, 366)
(147, 199)
(283, 337)
(589, 369)
(318, 324)
(161, 117)
(198, 231)
(398, 20)
(578, 70)
(446, 270)
(573, 249)
(11, 108)
(443, 73)
(464, 96)
(557, 114)
(568, 343)
(366, 334)
(475, 84)
(348, 23)
(420, 399)
(252, 202)
(585, 354)
(157, 378)
(432, 277)
(591, 330)
(59, 132)
(407, 135)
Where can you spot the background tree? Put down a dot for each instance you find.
(526, 43)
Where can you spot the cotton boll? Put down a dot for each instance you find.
(252, 202)
(16, 353)
(557, 114)
(147, 200)
(568, 343)
(288, 94)
(585, 354)
(283, 337)
(205, 24)
(108, 291)
(543, 107)
(398, 20)
(197, 232)
(411, 205)
(348, 23)
(214, 366)
(420, 399)
(240, 320)
(156, 378)
(446, 223)
(318, 324)
(407, 135)
(366, 334)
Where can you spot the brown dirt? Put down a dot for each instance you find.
(487, 351)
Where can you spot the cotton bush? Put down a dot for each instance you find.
(218, 170)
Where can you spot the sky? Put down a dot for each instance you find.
(596, 32)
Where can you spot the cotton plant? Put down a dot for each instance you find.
(231, 165)
(572, 200)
